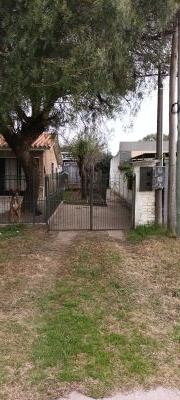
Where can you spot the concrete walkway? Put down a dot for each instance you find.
(116, 215)
(157, 394)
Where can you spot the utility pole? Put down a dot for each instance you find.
(159, 147)
(178, 142)
(172, 134)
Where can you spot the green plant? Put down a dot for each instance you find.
(145, 231)
(11, 230)
(127, 168)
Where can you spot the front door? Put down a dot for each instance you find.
(2, 176)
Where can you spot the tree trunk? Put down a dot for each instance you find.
(32, 176)
(172, 136)
(83, 176)
(83, 185)
(21, 145)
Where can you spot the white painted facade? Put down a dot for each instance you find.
(118, 181)
(142, 202)
(144, 207)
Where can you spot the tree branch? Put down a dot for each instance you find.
(102, 100)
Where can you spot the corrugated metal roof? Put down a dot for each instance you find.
(44, 141)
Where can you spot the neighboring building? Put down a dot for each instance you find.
(71, 167)
(134, 150)
(47, 152)
(138, 193)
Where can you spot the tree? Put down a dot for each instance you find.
(87, 150)
(152, 137)
(104, 164)
(61, 58)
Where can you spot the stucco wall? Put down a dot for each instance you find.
(49, 158)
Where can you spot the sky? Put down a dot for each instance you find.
(144, 122)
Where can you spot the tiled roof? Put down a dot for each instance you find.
(43, 142)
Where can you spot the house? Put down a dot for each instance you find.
(134, 150)
(70, 166)
(131, 177)
(47, 152)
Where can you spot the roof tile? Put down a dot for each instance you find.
(43, 142)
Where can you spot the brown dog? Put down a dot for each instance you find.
(15, 207)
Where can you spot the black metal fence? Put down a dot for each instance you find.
(27, 209)
(54, 192)
(20, 208)
(92, 205)
(97, 206)
(30, 209)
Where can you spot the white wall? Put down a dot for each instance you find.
(114, 169)
(73, 171)
(118, 182)
(144, 202)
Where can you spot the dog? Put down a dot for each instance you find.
(15, 207)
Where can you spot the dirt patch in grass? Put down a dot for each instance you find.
(94, 314)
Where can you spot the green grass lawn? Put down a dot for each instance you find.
(96, 316)
(75, 333)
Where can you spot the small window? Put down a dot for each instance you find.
(52, 168)
(146, 179)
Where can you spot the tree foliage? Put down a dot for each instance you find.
(153, 136)
(58, 56)
(104, 164)
(62, 57)
(87, 149)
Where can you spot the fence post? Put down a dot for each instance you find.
(47, 200)
(33, 200)
(91, 200)
(134, 202)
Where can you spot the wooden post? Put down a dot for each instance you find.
(171, 218)
(178, 142)
(33, 200)
(159, 147)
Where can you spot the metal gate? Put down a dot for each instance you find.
(98, 207)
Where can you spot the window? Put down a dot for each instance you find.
(52, 168)
(146, 178)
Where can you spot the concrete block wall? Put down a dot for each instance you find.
(144, 208)
(144, 201)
